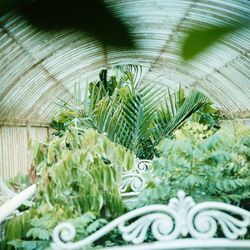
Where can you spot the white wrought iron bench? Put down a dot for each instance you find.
(181, 224)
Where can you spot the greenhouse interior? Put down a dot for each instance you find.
(124, 124)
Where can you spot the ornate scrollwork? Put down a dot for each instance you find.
(166, 223)
(203, 220)
(143, 165)
(133, 181)
(182, 204)
(163, 222)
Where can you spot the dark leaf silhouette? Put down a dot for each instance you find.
(90, 16)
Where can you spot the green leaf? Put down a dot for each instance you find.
(198, 41)
(29, 245)
(38, 233)
(96, 225)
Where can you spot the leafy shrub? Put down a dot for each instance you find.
(78, 178)
(84, 169)
(206, 166)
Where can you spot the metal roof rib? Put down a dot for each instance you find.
(37, 67)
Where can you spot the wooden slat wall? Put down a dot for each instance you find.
(14, 153)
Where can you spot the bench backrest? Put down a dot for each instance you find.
(181, 224)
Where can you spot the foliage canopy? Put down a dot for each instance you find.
(134, 115)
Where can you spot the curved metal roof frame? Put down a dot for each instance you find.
(37, 68)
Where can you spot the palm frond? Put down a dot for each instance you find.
(135, 116)
(183, 110)
(139, 112)
(130, 73)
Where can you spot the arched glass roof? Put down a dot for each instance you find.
(39, 68)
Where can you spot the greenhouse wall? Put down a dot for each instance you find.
(15, 155)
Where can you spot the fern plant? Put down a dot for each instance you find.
(130, 114)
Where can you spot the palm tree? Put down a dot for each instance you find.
(130, 113)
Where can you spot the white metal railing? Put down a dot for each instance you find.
(16, 201)
(171, 226)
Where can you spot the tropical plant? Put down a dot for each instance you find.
(208, 115)
(78, 179)
(135, 116)
(86, 166)
(207, 166)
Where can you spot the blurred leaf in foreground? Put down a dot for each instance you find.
(90, 16)
(7, 5)
(198, 40)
